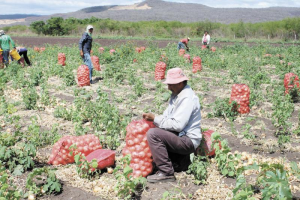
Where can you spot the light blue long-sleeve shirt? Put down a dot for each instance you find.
(182, 115)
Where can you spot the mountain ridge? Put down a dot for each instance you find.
(158, 10)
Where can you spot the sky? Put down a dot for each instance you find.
(47, 7)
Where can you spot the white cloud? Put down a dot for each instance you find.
(45, 7)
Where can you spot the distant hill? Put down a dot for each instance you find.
(183, 12)
(17, 16)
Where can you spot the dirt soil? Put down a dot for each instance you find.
(40, 41)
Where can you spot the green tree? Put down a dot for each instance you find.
(38, 27)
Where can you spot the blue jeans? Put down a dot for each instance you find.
(6, 57)
(180, 46)
(88, 62)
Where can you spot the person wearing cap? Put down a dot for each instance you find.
(206, 39)
(183, 44)
(23, 52)
(5, 42)
(85, 47)
(178, 131)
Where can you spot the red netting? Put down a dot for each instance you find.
(187, 58)
(197, 64)
(138, 50)
(36, 49)
(241, 94)
(112, 51)
(101, 49)
(290, 80)
(42, 49)
(213, 49)
(95, 61)
(61, 59)
(203, 47)
(143, 48)
(137, 146)
(181, 52)
(160, 70)
(83, 76)
(85, 144)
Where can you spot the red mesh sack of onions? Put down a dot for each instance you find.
(42, 49)
(112, 51)
(143, 48)
(61, 59)
(137, 146)
(36, 49)
(85, 144)
(101, 49)
(197, 64)
(181, 52)
(95, 61)
(203, 47)
(241, 94)
(290, 80)
(160, 70)
(138, 50)
(187, 58)
(83, 75)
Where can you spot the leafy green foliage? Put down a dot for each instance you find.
(43, 181)
(198, 168)
(126, 184)
(7, 189)
(276, 183)
(18, 158)
(222, 108)
(84, 168)
(30, 98)
(226, 161)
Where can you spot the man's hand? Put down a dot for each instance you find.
(148, 116)
(81, 53)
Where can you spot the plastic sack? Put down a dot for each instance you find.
(213, 49)
(205, 148)
(85, 144)
(95, 61)
(61, 59)
(197, 64)
(181, 52)
(112, 51)
(241, 94)
(14, 54)
(187, 58)
(83, 75)
(104, 157)
(137, 146)
(290, 80)
(160, 70)
(101, 49)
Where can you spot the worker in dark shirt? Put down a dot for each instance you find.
(85, 46)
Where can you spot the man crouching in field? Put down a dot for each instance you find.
(85, 46)
(178, 133)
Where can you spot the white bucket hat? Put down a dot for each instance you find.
(2, 32)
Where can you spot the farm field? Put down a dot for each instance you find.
(42, 103)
